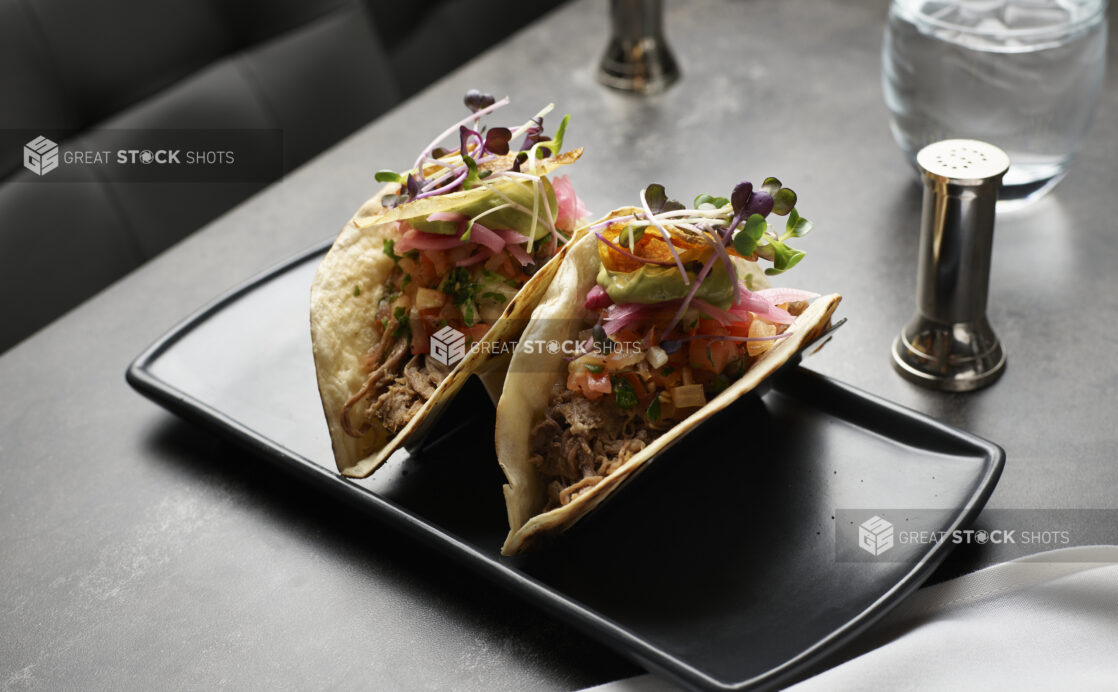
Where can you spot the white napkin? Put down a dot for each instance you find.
(1042, 622)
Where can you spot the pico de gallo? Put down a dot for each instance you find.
(679, 311)
(470, 225)
(677, 317)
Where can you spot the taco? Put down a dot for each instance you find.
(446, 257)
(672, 321)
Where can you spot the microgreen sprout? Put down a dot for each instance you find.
(739, 221)
(439, 171)
(476, 100)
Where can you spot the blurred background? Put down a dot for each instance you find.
(315, 69)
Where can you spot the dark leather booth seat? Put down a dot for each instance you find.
(315, 69)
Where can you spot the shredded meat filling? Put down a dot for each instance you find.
(394, 396)
(579, 442)
(381, 373)
(407, 393)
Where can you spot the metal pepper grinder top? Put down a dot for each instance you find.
(637, 58)
(949, 344)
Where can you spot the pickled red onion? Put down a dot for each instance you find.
(418, 240)
(785, 295)
(483, 236)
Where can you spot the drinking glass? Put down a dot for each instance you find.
(1023, 75)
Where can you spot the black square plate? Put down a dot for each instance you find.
(716, 567)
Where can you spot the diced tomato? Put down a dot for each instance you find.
(740, 328)
(710, 328)
(711, 354)
(723, 353)
(667, 381)
(425, 275)
(678, 359)
(599, 382)
(478, 331)
(592, 386)
(638, 385)
(697, 353)
(449, 313)
(438, 260)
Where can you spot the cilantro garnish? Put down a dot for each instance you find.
(653, 410)
(468, 316)
(497, 277)
(459, 286)
(623, 393)
(389, 250)
(401, 317)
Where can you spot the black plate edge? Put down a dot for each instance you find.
(615, 636)
(136, 374)
(995, 463)
(139, 376)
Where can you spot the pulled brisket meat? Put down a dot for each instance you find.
(375, 379)
(394, 396)
(579, 442)
(407, 393)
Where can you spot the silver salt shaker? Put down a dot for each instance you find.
(949, 344)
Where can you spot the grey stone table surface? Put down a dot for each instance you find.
(137, 551)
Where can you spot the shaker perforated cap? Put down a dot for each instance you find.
(949, 344)
(963, 161)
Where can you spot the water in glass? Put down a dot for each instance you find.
(1024, 75)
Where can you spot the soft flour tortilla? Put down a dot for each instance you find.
(342, 322)
(531, 376)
